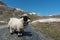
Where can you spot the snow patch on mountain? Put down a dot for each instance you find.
(48, 20)
(19, 9)
(32, 13)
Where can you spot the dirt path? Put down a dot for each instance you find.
(3, 26)
(29, 34)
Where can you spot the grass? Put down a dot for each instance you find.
(49, 29)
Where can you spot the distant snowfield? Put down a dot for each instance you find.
(3, 22)
(48, 20)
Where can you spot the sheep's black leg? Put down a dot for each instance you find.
(20, 34)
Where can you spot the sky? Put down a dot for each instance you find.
(41, 7)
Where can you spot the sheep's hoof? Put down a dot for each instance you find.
(11, 33)
(20, 35)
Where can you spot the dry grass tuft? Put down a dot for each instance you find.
(50, 29)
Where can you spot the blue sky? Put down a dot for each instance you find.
(42, 7)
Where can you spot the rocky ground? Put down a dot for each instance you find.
(29, 34)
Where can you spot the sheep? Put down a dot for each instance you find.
(16, 24)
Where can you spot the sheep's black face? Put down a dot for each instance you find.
(25, 18)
